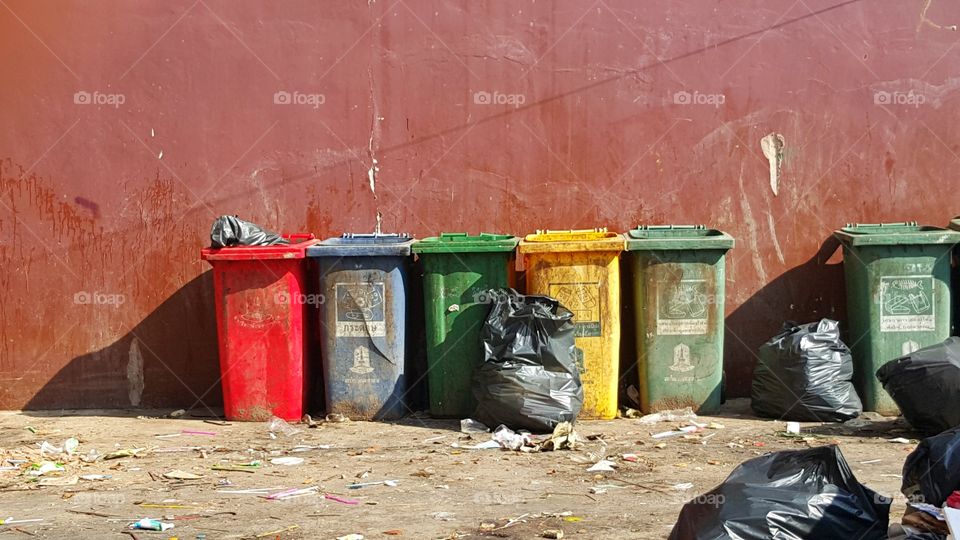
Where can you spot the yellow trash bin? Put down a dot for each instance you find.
(581, 269)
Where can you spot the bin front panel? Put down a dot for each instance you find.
(260, 315)
(678, 301)
(898, 301)
(362, 332)
(455, 289)
(588, 284)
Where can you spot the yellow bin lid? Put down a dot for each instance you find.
(572, 240)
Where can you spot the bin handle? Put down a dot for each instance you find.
(572, 231)
(671, 227)
(452, 235)
(891, 224)
(375, 235)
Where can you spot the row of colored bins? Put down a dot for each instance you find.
(679, 277)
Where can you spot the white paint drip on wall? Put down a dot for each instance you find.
(751, 224)
(773, 236)
(135, 373)
(772, 147)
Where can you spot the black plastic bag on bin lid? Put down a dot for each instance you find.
(228, 231)
(805, 373)
(932, 471)
(529, 377)
(790, 495)
(925, 384)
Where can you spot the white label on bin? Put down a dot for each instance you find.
(360, 310)
(906, 304)
(682, 307)
(682, 365)
(583, 300)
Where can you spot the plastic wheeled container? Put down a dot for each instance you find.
(458, 270)
(678, 274)
(363, 278)
(260, 294)
(898, 297)
(581, 269)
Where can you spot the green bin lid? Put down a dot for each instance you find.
(894, 234)
(670, 237)
(465, 243)
(955, 223)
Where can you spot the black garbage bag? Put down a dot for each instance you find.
(805, 373)
(925, 384)
(932, 471)
(529, 377)
(230, 231)
(790, 495)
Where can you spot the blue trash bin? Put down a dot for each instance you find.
(363, 279)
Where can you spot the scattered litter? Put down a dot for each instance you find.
(900, 440)
(178, 413)
(633, 458)
(147, 524)
(630, 412)
(682, 486)
(47, 448)
(486, 445)
(254, 491)
(706, 438)
(793, 428)
(715, 425)
(443, 516)
(555, 534)
(682, 431)
(391, 483)
(603, 465)
(127, 452)
(95, 477)
(928, 509)
(277, 532)
(11, 521)
(675, 415)
(337, 418)
(278, 425)
(352, 536)
(291, 493)
(469, 425)
(309, 421)
(509, 439)
(870, 461)
(597, 490)
(393, 532)
(287, 460)
(196, 432)
(340, 499)
(59, 481)
(177, 474)
(44, 467)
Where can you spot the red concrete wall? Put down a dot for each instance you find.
(585, 128)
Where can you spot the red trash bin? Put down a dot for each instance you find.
(261, 301)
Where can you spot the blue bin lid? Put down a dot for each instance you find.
(364, 245)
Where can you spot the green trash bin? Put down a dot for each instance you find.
(678, 279)
(457, 271)
(898, 297)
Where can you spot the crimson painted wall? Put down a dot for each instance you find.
(128, 126)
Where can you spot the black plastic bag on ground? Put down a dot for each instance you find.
(932, 471)
(529, 377)
(805, 373)
(228, 231)
(925, 384)
(789, 495)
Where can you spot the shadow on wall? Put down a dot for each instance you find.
(140, 370)
(815, 290)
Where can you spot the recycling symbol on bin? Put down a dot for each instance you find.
(360, 300)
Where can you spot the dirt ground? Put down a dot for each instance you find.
(441, 491)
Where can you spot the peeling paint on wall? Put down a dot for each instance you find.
(772, 147)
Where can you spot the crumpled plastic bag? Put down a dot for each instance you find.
(789, 495)
(925, 384)
(805, 374)
(229, 231)
(529, 378)
(932, 471)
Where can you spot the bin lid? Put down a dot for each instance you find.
(294, 250)
(571, 240)
(955, 223)
(664, 237)
(465, 243)
(364, 245)
(890, 234)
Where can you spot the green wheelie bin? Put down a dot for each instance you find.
(678, 274)
(458, 270)
(898, 297)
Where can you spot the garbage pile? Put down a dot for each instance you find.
(925, 384)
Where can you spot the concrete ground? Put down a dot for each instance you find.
(441, 490)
